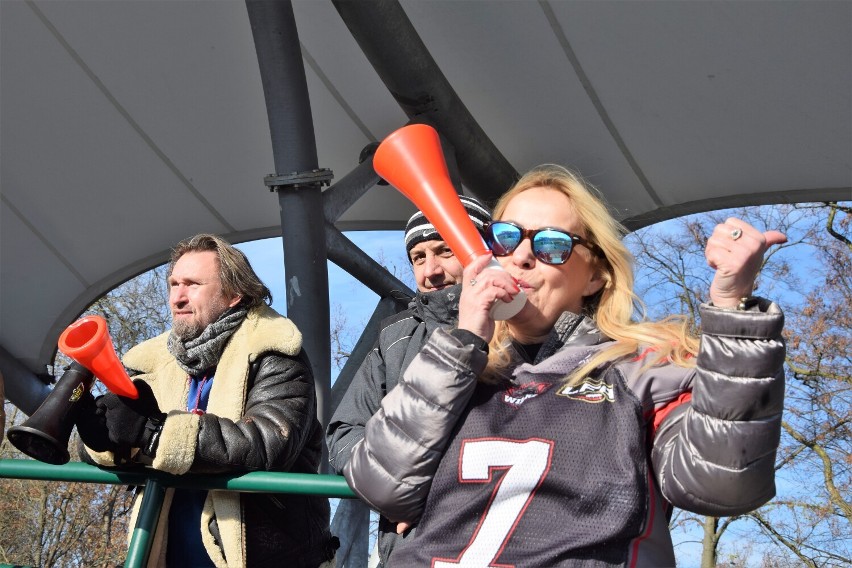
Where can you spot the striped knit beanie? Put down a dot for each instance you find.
(419, 229)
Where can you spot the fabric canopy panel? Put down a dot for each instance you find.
(127, 126)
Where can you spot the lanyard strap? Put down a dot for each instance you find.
(201, 384)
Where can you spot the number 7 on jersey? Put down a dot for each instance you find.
(527, 463)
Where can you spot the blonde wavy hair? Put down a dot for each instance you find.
(616, 309)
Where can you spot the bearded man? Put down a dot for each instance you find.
(227, 390)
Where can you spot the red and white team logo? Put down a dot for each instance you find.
(589, 391)
(517, 395)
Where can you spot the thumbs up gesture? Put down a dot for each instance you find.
(735, 250)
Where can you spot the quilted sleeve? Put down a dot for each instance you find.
(715, 454)
(391, 469)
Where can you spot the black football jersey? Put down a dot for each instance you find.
(538, 474)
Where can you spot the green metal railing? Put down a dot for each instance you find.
(156, 483)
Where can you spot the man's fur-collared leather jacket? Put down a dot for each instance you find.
(261, 416)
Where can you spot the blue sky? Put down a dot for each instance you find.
(354, 299)
(267, 258)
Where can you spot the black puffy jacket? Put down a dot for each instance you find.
(400, 340)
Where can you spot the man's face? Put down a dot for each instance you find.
(196, 298)
(435, 266)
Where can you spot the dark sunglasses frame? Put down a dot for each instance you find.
(530, 234)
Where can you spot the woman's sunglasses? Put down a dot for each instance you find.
(551, 246)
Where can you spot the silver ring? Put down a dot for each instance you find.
(736, 233)
(473, 281)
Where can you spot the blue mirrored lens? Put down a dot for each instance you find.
(503, 238)
(552, 247)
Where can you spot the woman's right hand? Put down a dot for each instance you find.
(481, 288)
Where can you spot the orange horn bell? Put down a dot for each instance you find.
(411, 160)
(87, 341)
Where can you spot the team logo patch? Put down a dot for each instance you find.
(517, 395)
(589, 391)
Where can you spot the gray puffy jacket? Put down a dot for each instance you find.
(702, 439)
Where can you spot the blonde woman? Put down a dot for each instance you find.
(564, 436)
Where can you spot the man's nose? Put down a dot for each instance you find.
(177, 295)
(432, 266)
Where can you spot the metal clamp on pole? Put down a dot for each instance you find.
(296, 180)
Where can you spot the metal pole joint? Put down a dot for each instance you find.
(299, 180)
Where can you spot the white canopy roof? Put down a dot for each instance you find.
(127, 126)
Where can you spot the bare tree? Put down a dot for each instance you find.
(345, 332)
(809, 522)
(80, 524)
(816, 523)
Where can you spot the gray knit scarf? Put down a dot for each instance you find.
(197, 355)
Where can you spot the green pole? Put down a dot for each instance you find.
(156, 482)
(146, 525)
(254, 482)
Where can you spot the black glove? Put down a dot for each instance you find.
(133, 423)
(91, 424)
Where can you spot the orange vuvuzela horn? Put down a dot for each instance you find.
(44, 435)
(87, 341)
(411, 160)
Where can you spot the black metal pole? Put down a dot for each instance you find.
(298, 182)
(397, 53)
